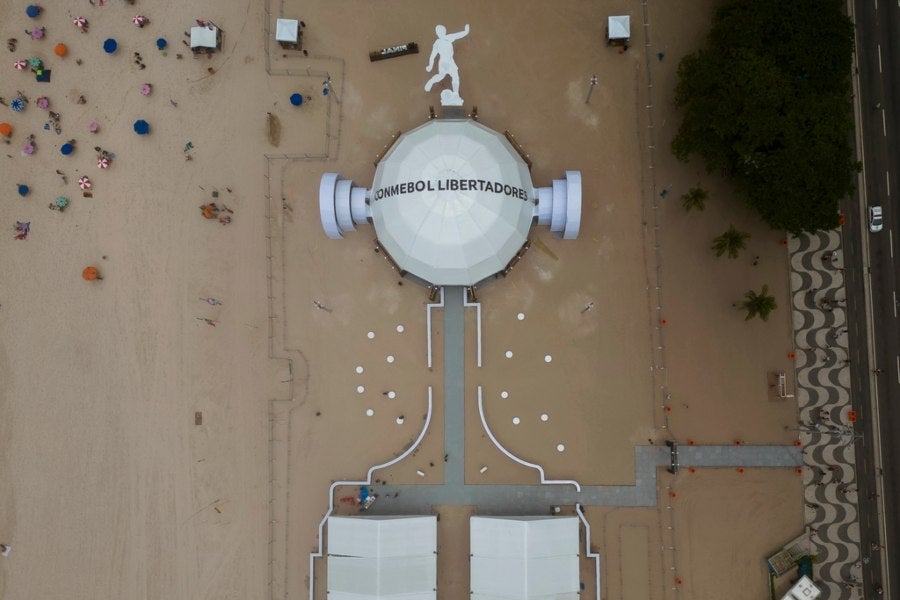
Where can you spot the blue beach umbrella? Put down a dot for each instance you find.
(23, 189)
(17, 104)
(296, 99)
(141, 127)
(33, 11)
(161, 43)
(67, 149)
(110, 45)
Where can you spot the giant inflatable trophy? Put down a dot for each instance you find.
(452, 201)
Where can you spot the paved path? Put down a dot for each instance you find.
(823, 379)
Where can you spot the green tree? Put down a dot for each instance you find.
(758, 305)
(732, 242)
(767, 103)
(695, 198)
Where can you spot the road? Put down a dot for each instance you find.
(874, 327)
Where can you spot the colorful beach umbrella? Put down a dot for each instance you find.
(161, 43)
(141, 127)
(84, 183)
(33, 11)
(67, 149)
(17, 104)
(28, 148)
(23, 189)
(60, 50)
(139, 20)
(90, 274)
(103, 162)
(146, 89)
(5, 129)
(110, 45)
(93, 126)
(43, 102)
(296, 99)
(20, 65)
(35, 62)
(80, 22)
(37, 33)
(61, 202)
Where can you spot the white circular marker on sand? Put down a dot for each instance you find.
(371, 335)
(399, 420)
(520, 316)
(400, 328)
(560, 448)
(359, 369)
(504, 394)
(392, 394)
(360, 389)
(547, 358)
(390, 358)
(369, 412)
(545, 417)
(509, 354)
(516, 420)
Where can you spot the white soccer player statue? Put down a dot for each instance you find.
(443, 51)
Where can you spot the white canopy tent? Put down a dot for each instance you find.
(204, 38)
(452, 202)
(524, 558)
(619, 27)
(287, 30)
(374, 558)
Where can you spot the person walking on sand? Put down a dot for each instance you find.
(443, 51)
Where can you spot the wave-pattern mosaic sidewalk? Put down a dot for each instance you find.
(823, 397)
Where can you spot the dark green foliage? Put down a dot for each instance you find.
(758, 305)
(767, 102)
(694, 199)
(732, 242)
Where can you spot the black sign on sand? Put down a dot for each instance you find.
(393, 51)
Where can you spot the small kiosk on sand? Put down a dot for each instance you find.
(289, 34)
(618, 31)
(206, 38)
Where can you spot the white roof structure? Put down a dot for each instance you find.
(374, 558)
(287, 30)
(203, 37)
(619, 27)
(452, 202)
(519, 558)
(804, 589)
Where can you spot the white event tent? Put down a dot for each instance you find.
(524, 558)
(374, 558)
(452, 236)
(452, 203)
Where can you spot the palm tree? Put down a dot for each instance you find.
(758, 305)
(695, 198)
(732, 242)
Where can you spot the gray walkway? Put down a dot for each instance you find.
(454, 384)
(537, 499)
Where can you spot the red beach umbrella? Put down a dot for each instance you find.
(103, 162)
(20, 65)
(84, 183)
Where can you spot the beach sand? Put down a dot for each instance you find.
(118, 492)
